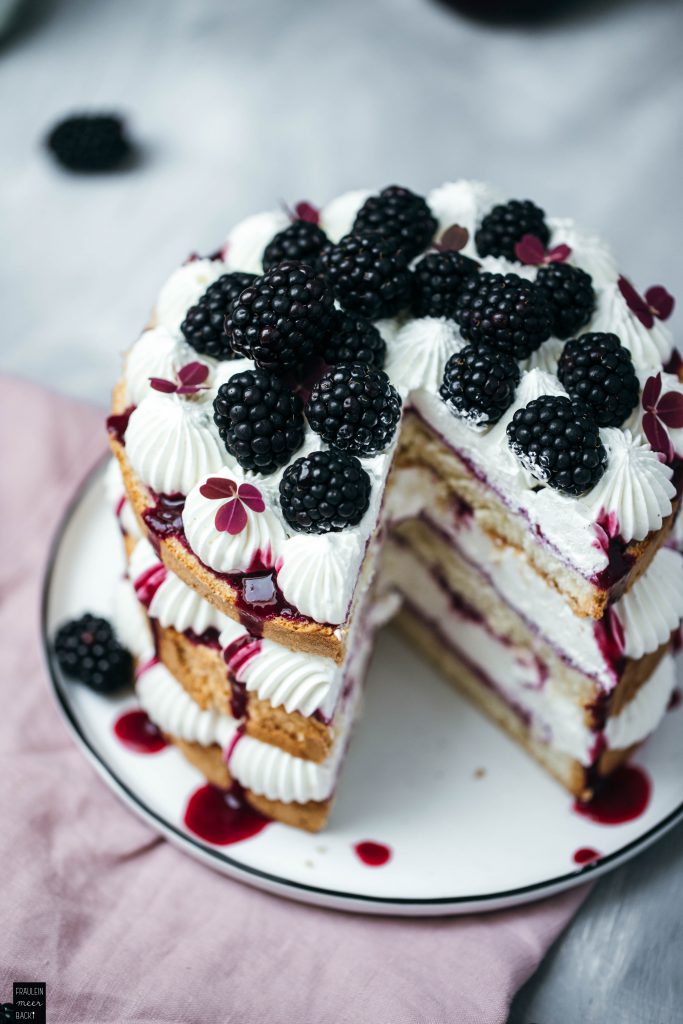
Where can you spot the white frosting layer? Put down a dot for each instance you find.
(645, 710)
(183, 289)
(588, 252)
(298, 682)
(649, 347)
(546, 357)
(130, 622)
(419, 353)
(337, 216)
(259, 767)
(171, 442)
(316, 573)
(653, 607)
(156, 353)
(261, 539)
(464, 203)
(248, 239)
(635, 491)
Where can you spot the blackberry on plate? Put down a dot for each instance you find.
(598, 370)
(355, 408)
(506, 224)
(259, 419)
(282, 316)
(300, 240)
(367, 276)
(89, 142)
(437, 281)
(558, 441)
(504, 311)
(204, 323)
(324, 492)
(87, 649)
(479, 384)
(569, 293)
(354, 340)
(401, 217)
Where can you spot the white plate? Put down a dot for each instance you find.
(472, 822)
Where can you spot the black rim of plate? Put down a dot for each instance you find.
(533, 891)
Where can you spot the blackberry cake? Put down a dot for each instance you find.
(451, 410)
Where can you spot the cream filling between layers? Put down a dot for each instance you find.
(516, 674)
(259, 767)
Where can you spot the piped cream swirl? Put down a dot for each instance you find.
(183, 289)
(419, 352)
(248, 239)
(653, 607)
(156, 353)
(171, 442)
(318, 574)
(649, 347)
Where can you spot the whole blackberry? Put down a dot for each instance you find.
(259, 420)
(479, 384)
(324, 492)
(355, 408)
(301, 240)
(399, 216)
(557, 440)
(569, 293)
(281, 317)
(204, 323)
(86, 649)
(437, 281)
(354, 340)
(89, 142)
(367, 276)
(506, 224)
(598, 370)
(504, 311)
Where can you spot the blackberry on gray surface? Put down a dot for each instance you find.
(282, 316)
(367, 276)
(355, 408)
(354, 340)
(437, 281)
(597, 369)
(479, 384)
(506, 224)
(324, 492)
(569, 293)
(87, 649)
(558, 441)
(89, 142)
(259, 419)
(204, 323)
(301, 240)
(401, 217)
(504, 311)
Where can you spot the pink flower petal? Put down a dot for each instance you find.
(530, 250)
(659, 300)
(251, 496)
(231, 517)
(635, 303)
(218, 487)
(656, 434)
(308, 212)
(160, 384)
(193, 374)
(559, 253)
(670, 409)
(651, 392)
(453, 239)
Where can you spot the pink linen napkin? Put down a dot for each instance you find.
(122, 926)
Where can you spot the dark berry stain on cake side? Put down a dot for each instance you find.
(222, 817)
(621, 797)
(374, 855)
(164, 519)
(117, 424)
(137, 733)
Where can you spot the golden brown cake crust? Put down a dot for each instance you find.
(300, 635)
(201, 671)
(311, 816)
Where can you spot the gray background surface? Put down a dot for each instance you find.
(240, 104)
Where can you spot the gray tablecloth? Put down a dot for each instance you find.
(237, 105)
